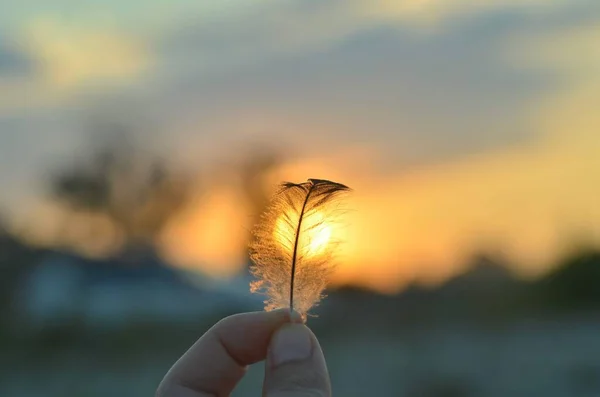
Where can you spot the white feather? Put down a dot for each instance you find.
(294, 244)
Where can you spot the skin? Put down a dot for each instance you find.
(294, 362)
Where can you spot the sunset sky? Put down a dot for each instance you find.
(461, 125)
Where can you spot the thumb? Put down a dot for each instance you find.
(295, 364)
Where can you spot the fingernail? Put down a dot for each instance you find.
(291, 343)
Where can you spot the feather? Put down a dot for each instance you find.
(294, 244)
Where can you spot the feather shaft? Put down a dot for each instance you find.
(296, 240)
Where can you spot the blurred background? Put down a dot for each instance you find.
(140, 140)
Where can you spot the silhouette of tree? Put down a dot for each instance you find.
(136, 191)
(254, 169)
(574, 283)
(16, 260)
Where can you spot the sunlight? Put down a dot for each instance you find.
(319, 234)
(315, 235)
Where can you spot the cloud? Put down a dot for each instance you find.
(339, 71)
(70, 56)
(239, 36)
(16, 71)
(433, 14)
(14, 63)
(419, 99)
(568, 116)
(50, 62)
(242, 36)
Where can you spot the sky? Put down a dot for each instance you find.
(461, 125)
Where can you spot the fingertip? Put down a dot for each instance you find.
(259, 320)
(295, 363)
(247, 334)
(296, 317)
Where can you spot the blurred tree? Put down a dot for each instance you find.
(255, 169)
(136, 191)
(574, 284)
(16, 260)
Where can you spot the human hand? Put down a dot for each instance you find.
(294, 367)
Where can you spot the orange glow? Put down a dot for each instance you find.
(316, 225)
(209, 235)
(321, 235)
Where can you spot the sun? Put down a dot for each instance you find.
(315, 234)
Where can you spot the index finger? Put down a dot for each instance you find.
(218, 360)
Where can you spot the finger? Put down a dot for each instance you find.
(295, 364)
(218, 360)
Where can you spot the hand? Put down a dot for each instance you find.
(294, 367)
